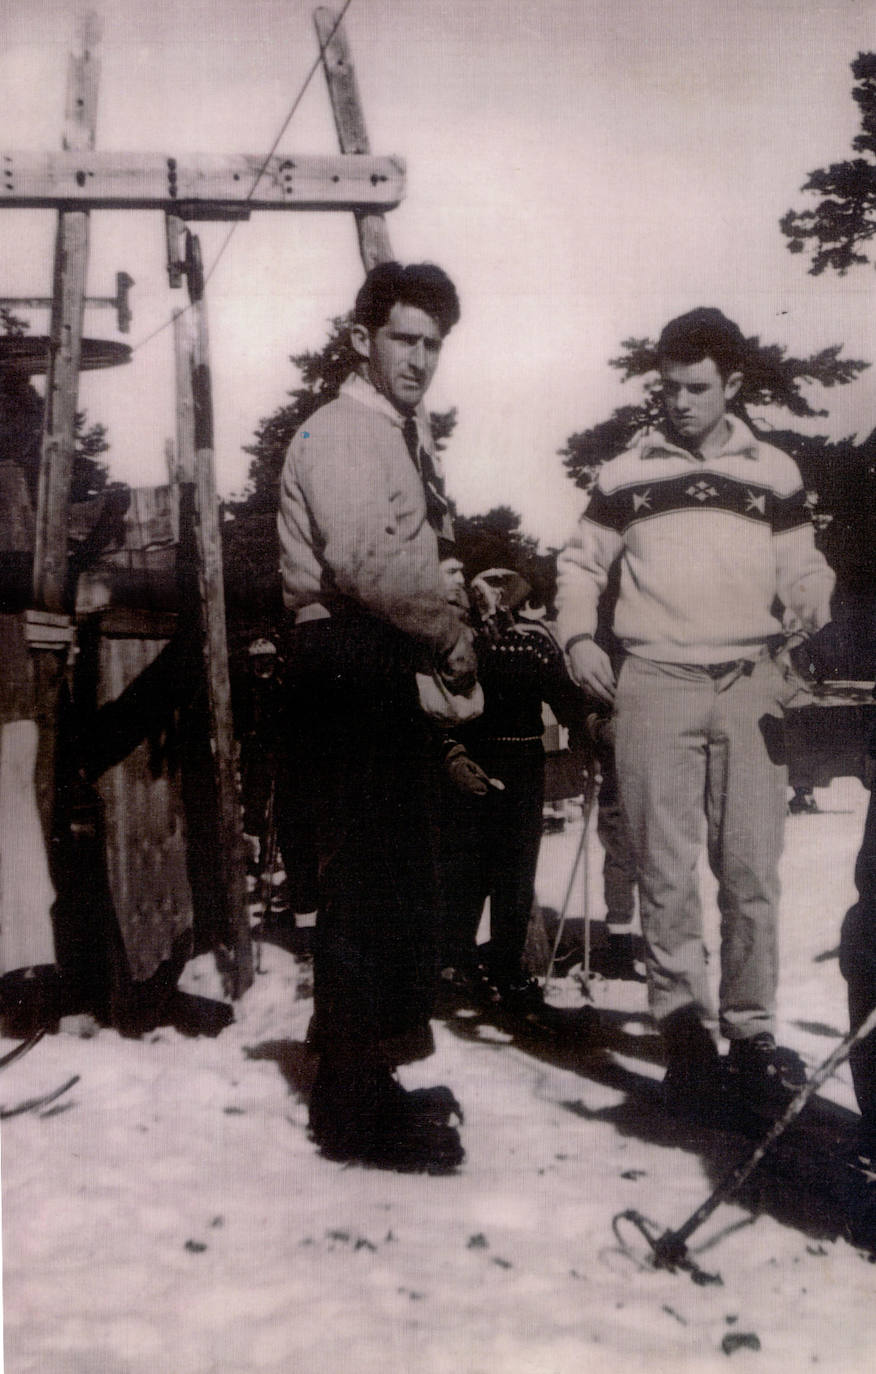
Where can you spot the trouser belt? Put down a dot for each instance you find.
(740, 667)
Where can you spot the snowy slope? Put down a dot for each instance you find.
(169, 1216)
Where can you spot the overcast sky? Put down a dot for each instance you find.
(584, 169)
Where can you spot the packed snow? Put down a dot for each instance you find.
(167, 1212)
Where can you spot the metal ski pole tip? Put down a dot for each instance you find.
(670, 1251)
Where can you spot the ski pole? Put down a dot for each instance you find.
(581, 852)
(268, 864)
(670, 1249)
(589, 794)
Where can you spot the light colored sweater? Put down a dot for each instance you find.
(352, 519)
(705, 546)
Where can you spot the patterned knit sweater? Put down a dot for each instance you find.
(706, 547)
(518, 670)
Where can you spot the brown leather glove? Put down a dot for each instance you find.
(467, 775)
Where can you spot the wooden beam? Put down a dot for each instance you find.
(340, 74)
(192, 185)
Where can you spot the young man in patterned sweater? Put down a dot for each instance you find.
(710, 529)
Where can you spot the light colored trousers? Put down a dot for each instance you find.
(690, 744)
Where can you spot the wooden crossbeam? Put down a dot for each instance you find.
(119, 302)
(192, 183)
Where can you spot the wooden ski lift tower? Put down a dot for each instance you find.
(185, 188)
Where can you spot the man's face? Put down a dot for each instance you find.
(452, 580)
(695, 397)
(452, 572)
(402, 355)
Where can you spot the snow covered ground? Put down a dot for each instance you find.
(167, 1215)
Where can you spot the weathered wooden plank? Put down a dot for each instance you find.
(144, 824)
(48, 630)
(340, 74)
(215, 645)
(192, 182)
(201, 558)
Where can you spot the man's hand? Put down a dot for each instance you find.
(459, 668)
(824, 655)
(590, 668)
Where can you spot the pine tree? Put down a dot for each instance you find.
(844, 221)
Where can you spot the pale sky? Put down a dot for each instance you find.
(584, 170)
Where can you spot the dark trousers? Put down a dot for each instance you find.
(489, 848)
(858, 966)
(359, 739)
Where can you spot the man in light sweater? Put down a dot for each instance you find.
(362, 510)
(711, 531)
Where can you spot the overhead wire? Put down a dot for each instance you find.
(259, 174)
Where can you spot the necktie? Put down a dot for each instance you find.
(437, 507)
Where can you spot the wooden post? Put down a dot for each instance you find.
(196, 465)
(62, 384)
(49, 638)
(343, 88)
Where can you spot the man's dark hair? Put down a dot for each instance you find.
(703, 333)
(421, 284)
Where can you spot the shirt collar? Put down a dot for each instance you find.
(740, 442)
(358, 388)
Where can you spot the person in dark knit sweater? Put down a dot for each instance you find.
(492, 833)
